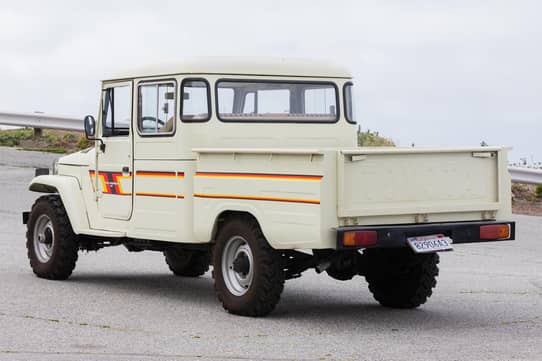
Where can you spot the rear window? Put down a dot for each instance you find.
(273, 101)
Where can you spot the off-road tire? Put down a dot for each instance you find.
(187, 263)
(268, 282)
(339, 274)
(344, 268)
(64, 250)
(398, 277)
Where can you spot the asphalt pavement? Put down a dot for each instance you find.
(128, 306)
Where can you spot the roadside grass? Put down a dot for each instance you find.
(12, 137)
(53, 141)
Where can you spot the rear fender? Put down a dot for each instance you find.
(71, 194)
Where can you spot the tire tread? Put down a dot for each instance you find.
(65, 253)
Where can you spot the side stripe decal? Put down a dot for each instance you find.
(257, 198)
(259, 176)
(111, 182)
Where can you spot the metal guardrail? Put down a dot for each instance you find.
(41, 121)
(526, 175)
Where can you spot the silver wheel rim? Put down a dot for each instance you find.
(44, 238)
(238, 283)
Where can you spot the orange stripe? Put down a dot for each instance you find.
(163, 195)
(156, 174)
(259, 176)
(255, 198)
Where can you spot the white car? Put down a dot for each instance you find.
(253, 167)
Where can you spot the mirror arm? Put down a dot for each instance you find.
(102, 144)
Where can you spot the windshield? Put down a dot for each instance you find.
(275, 101)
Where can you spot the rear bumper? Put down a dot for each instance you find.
(392, 236)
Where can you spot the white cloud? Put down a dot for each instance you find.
(433, 73)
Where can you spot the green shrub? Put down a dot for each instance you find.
(538, 191)
(84, 143)
(13, 137)
(373, 139)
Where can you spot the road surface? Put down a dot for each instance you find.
(128, 306)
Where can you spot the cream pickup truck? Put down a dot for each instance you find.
(252, 167)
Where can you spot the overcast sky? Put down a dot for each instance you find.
(433, 73)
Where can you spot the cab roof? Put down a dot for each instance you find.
(240, 66)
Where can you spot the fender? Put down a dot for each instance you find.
(70, 192)
(206, 217)
(275, 226)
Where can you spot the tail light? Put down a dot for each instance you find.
(360, 238)
(495, 231)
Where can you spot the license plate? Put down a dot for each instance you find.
(433, 243)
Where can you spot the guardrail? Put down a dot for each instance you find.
(526, 175)
(41, 121)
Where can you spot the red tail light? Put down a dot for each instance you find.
(360, 238)
(495, 231)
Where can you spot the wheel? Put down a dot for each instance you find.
(344, 266)
(399, 278)
(52, 246)
(187, 263)
(249, 274)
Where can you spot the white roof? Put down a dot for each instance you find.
(241, 66)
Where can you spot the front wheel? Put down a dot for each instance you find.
(399, 278)
(52, 246)
(249, 276)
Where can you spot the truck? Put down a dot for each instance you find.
(252, 167)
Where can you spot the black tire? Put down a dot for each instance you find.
(340, 274)
(63, 248)
(263, 293)
(345, 266)
(187, 263)
(398, 277)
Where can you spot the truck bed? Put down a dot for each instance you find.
(395, 181)
(301, 197)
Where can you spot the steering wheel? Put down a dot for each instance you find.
(153, 119)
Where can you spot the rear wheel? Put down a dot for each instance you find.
(399, 278)
(51, 244)
(249, 274)
(187, 263)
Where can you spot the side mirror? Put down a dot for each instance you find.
(90, 126)
(90, 131)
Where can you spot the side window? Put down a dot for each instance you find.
(156, 105)
(348, 103)
(195, 101)
(117, 111)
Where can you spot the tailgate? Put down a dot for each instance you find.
(395, 181)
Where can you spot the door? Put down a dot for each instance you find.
(114, 164)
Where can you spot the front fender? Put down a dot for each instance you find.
(71, 194)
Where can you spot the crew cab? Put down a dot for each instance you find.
(253, 167)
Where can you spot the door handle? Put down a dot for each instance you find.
(125, 170)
